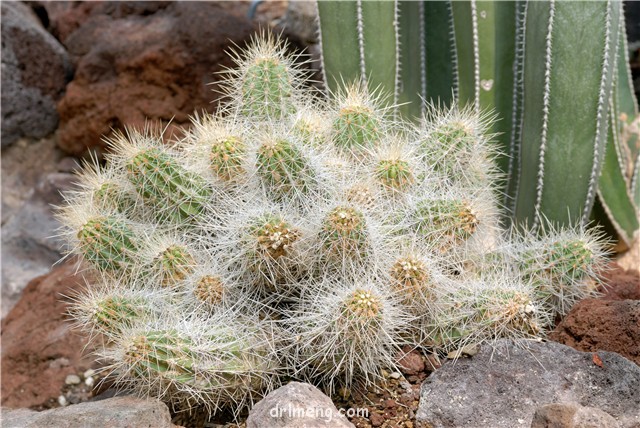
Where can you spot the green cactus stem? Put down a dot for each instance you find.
(344, 233)
(173, 265)
(446, 222)
(108, 243)
(394, 174)
(283, 168)
(267, 89)
(227, 156)
(171, 190)
(164, 354)
(110, 196)
(355, 128)
(115, 312)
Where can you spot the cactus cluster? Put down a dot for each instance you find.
(291, 237)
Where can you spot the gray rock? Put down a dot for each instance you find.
(35, 71)
(30, 185)
(571, 415)
(296, 405)
(302, 20)
(119, 412)
(503, 385)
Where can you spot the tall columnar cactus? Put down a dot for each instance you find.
(288, 238)
(558, 136)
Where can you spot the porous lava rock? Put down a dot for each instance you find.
(39, 346)
(143, 63)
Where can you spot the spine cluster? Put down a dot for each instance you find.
(288, 237)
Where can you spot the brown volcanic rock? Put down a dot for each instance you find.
(38, 347)
(608, 325)
(139, 62)
(621, 284)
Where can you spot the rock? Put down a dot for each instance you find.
(630, 259)
(608, 325)
(72, 379)
(39, 347)
(501, 386)
(295, 405)
(145, 62)
(571, 415)
(622, 284)
(301, 20)
(376, 419)
(119, 412)
(410, 361)
(35, 71)
(31, 184)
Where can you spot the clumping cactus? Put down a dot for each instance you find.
(287, 237)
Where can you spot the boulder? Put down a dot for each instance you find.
(35, 71)
(143, 63)
(571, 415)
(119, 412)
(39, 347)
(622, 284)
(608, 325)
(502, 385)
(296, 405)
(32, 179)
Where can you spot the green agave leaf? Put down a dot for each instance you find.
(359, 38)
(613, 190)
(439, 51)
(564, 129)
(411, 83)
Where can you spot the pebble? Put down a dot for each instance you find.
(465, 351)
(89, 373)
(376, 419)
(89, 381)
(72, 379)
(395, 375)
(62, 400)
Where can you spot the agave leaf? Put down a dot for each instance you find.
(565, 126)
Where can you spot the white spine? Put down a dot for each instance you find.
(452, 35)
(476, 56)
(360, 27)
(602, 110)
(634, 178)
(322, 68)
(423, 58)
(518, 97)
(545, 113)
(396, 27)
